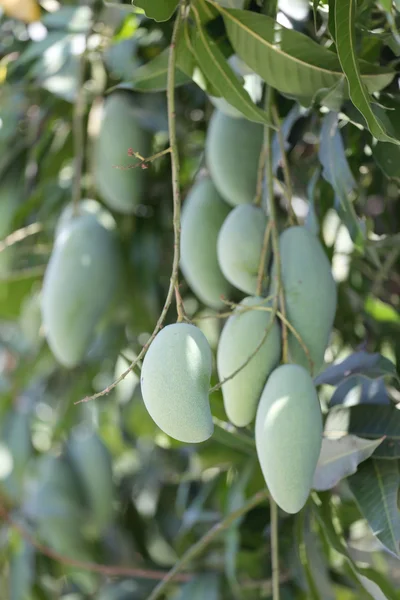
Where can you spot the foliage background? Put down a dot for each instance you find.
(140, 499)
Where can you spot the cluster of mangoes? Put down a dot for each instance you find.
(221, 243)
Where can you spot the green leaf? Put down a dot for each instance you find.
(201, 587)
(345, 41)
(372, 365)
(381, 311)
(331, 528)
(206, 11)
(287, 60)
(233, 438)
(159, 10)
(213, 64)
(368, 421)
(375, 487)
(340, 458)
(22, 569)
(152, 77)
(387, 157)
(336, 171)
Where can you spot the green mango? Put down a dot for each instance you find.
(175, 380)
(121, 189)
(81, 281)
(233, 148)
(87, 207)
(310, 294)
(241, 335)
(91, 461)
(288, 435)
(239, 246)
(203, 213)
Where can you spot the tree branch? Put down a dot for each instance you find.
(206, 540)
(173, 284)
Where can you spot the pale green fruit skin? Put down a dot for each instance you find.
(121, 189)
(310, 294)
(233, 149)
(240, 244)
(203, 213)
(81, 281)
(175, 380)
(92, 464)
(87, 207)
(288, 435)
(241, 335)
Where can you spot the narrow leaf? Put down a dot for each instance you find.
(212, 62)
(375, 487)
(152, 76)
(387, 157)
(288, 60)
(340, 458)
(360, 390)
(345, 18)
(336, 171)
(159, 10)
(373, 421)
(372, 365)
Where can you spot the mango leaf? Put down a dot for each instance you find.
(361, 577)
(231, 3)
(381, 311)
(159, 10)
(233, 438)
(152, 76)
(213, 64)
(360, 390)
(206, 11)
(345, 18)
(22, 568)
(302, 550)
(287, 60)
(375, 487)
(387, 157)
(340, 458)
(372, 365)
(336, 171)
(372, 421)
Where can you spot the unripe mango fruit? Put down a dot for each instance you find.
(203, 213)
(310, 294)
(241, 335)
(233, 149)
(82, 279)
(288, 435)
(86, 207)
(239, 246)
(175, 380)
(121, 189)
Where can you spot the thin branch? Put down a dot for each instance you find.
(260, 175)
(285, 166)
(206, 540)
(177, 212)
(111, 571)
(274, 549)
(263, 258)
(20, 234)
(273, 218)
(78, 130)
(277, 260)
(142, 161)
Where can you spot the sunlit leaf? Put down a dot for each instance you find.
(368, 421)
(340, 458)
(375, 487)
(372, 365)
(345, 18)
(159, 10)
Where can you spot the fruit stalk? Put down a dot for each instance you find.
(285, 166)
(176, 206)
